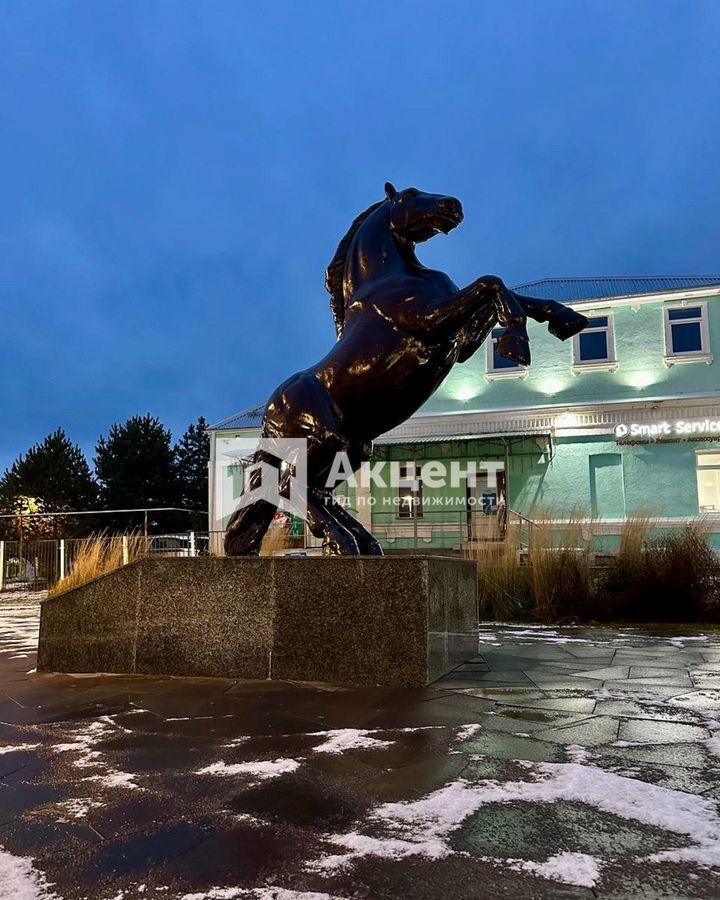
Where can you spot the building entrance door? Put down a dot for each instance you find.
(485, 508)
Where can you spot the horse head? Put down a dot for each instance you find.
(416, 216)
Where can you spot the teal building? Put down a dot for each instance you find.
(623, 419)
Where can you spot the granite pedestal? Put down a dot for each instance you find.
(355, 620)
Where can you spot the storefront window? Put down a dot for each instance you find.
(708, 480)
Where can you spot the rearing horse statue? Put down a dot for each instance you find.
(401, 327)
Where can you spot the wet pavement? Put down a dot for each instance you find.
(570, 763)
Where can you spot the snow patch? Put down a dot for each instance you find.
(567, 868)
(261, 769)
(264, 893)
(77, 808)
(114, 779)
(16, 748)
(465, 732)
(422, 827)
(342, 739)
(20, 880)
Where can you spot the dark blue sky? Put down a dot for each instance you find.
(176, 176)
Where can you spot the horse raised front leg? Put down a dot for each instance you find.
(514, 343)
(563, 322)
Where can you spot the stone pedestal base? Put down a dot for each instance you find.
(355, 620)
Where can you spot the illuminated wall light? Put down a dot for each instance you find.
(552, 386)
(466, 392)
(641, 379)
(567, 420)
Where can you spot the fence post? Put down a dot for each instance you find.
(2, 565)
(193, 549)
(62, 558)
(125, 550)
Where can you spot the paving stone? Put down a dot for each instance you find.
(646, 731)
(702, 699)
(565, 704)
(567, 684)
(510, 746)
(658, 672)
(611, 673)
(588, 733)
(682, 755)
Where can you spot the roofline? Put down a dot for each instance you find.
(701, 293)
(218, 426)
(584, 278)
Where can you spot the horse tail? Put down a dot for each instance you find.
(335, 272)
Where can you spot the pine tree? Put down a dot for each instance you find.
(192, 453)
(135, 466)
(55, 473)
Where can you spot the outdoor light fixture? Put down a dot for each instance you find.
(466, 392)
(640, 379)
(567, 420)
(552, 386)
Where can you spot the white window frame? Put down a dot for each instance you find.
(609, 364)
(495, 374)
(688, 356)
(699, 468)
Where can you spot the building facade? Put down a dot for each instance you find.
(623, 419)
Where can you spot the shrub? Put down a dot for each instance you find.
(671, 576)
(98, 555)
(674, 578)
(502, 582)
(277, 537)
(559, 563)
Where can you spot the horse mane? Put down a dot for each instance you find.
(335, 272)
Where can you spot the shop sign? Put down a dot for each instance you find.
(668, 431)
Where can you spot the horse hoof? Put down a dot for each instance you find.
(567, 324)
(514, 348)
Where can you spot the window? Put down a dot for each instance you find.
(686, 334)
(410, 500)
(498, 366)
(708, 481)
(594, 347)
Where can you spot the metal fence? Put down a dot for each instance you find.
(39, 564)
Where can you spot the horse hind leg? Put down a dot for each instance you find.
(367, 543)
(249, 523)
(337, 539)
(247, 528)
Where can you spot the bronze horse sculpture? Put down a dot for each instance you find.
(401, 327)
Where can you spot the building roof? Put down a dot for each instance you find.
(249, 418)
(570, 290)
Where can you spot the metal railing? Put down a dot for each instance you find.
(40, 564)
